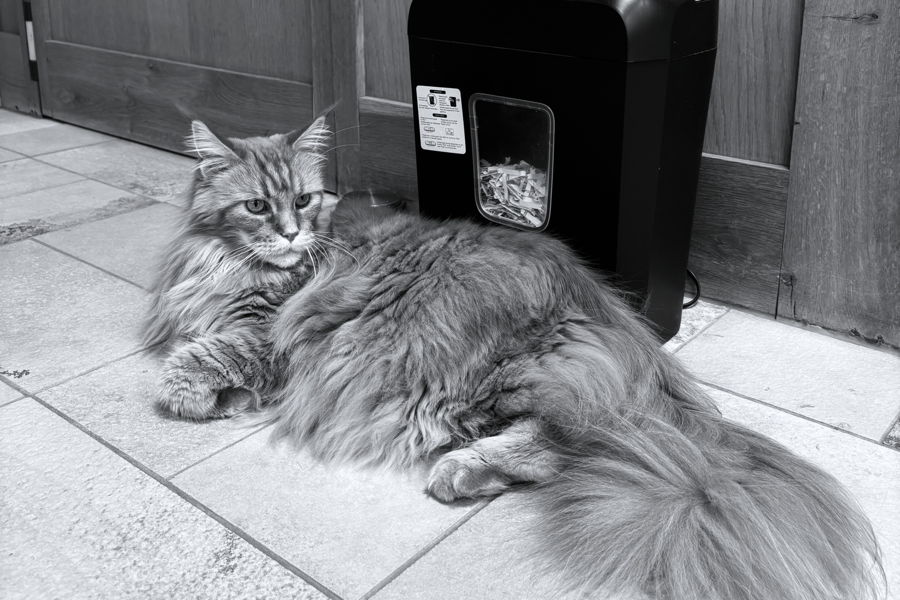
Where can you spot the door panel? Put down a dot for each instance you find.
(269, 38)
(141, 69)
(150, 100)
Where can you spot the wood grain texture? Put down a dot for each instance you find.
(738, 231)
(752, 104)
(348, 64)
(738, 220)
(387, 148)
(842, 244)
(323, 74)
(261, 37)
(149, 100)
(387, 50)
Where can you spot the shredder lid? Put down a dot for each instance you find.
(618, 30)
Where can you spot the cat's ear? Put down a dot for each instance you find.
(313, 139)
(214, 154)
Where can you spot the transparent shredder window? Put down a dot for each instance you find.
(513, 146)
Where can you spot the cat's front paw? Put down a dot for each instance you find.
(188, 395)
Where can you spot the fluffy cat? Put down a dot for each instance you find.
(393, 339)
(255, 211)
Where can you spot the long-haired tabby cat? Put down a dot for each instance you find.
(394, 339)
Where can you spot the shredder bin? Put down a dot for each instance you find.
(581, 118)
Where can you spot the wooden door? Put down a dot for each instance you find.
(18, 80)
(141, 69)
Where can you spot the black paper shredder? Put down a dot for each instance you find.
(582, 118)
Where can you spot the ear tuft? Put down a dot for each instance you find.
(313, 139)
(213, 153)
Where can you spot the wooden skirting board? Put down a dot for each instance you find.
(147, 99)
(738, 219)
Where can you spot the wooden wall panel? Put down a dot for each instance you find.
(752, 105)
(738, 231)
(387, 148)
(387, 50)
(842, 241)
(262, 37)
(347, 51)
(148, 100)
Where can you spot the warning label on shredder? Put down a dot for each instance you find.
(441, 126)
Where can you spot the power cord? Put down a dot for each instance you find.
(696, 297)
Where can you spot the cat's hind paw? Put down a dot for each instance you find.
(463, 474)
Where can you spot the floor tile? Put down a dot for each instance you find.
(140, 169)
(693, 321)
(116, 403)
(8, 394)
(27, 175)
(58, 136)
(60, 317)
(870, 471)
(80, 522)
(348, 529)
(41, 211)
(14, 122)
(6, 155)
(839, 383)
(488, 556)
(128, 245)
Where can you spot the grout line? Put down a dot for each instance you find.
(91, 370)
(426, 549)
(81, 260)
(72, 148)
(194, 502)
(702, 331)
(92, 178)
(49, 187)
(13, 401)
(790, 412)
(219, 451)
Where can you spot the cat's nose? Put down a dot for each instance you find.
(289, 235)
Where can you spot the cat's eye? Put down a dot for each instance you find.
(256, 206)
(302, 201)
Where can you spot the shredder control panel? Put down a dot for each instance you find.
(441, 125)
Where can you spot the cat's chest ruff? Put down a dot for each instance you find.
(222, 305)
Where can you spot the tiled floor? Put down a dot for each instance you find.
(101, 498)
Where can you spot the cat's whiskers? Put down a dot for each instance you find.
(312, 262)
(335, 245)
(338, 147)
(325, 236)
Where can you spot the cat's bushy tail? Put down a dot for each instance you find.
(712, 511)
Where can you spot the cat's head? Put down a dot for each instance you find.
(261, 195)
